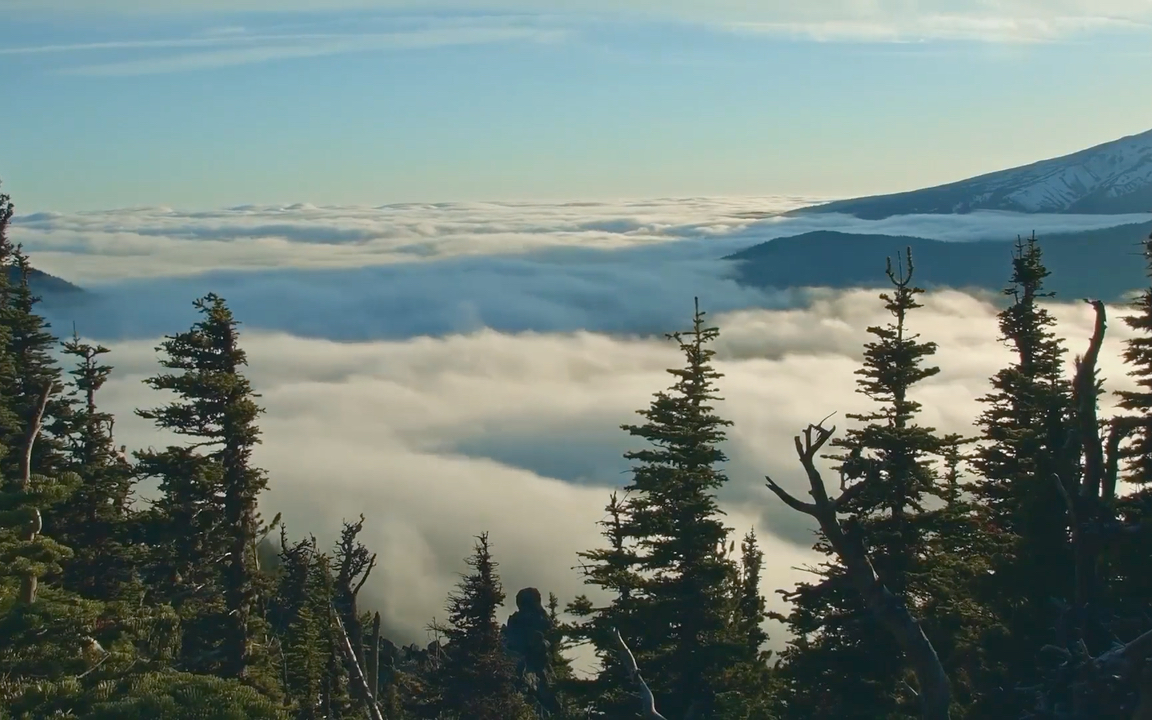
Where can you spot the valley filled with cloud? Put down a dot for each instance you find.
(452, 369)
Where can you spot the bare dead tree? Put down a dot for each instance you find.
(359, 680)
(1117, 680)
(35, 523)
(629, 660)
(354, 563)
(935, 690)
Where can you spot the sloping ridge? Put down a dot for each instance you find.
(1107, 179)
(48, 286)
(1104, 264)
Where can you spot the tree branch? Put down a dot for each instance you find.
(629, 660)
(35, 425)
(889, 610)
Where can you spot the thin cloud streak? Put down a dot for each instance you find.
(1010, 21)
(269, 48)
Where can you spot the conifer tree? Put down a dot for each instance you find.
(97, 519)
(751, 609)
(1133, 585)
(29, 368)
(1024, 430)
(300, 625)
(206, 521)
(475, 679)
(668, 564)
(842, 664)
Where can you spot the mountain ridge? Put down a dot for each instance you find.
(1110, 178)
(1103, 264)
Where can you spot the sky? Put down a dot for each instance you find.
(212, 103)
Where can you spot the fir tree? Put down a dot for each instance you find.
(1133, 585)
(1024, 428)
(475, 679)
(668, 565)
(209, 497)
(97, 519)
(842, 664)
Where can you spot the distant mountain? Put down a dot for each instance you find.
(1104, 264)
(49, 287)
(1109, 179)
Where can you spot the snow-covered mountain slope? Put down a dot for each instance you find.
(1112, 178)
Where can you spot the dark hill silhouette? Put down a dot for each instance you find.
(49, 287)
(1104, 264)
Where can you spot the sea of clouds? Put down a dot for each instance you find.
(452, 369)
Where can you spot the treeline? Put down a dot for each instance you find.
(1001, 575)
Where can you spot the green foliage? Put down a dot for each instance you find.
(888, 462)
(183, 696)
(676, 593)
(474, 678)
(184, 610)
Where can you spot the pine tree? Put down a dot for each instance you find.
(1024, 429)
(475, 679)
(751, 609)
(29, 368)
(1132, 584)
(842, 664)
(614, 569)
(209, 498)
(300, 627)
(750, 684)
(97, 520)
(668, 563)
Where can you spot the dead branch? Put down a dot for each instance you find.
(629, 661)
(350, 655)
(889, 610)
(35, 425)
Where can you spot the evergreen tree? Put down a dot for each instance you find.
(1132, 583)
(475, 679)
(28, 369)
(751, 607)
(97, 520)
(667, 563)
(209, 498)
(1024, 429)
(300, 624)
(842, 664)
(614, 569)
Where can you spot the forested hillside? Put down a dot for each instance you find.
(999, 575)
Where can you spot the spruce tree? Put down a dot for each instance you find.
(841, 664)
(1024, 429)
(1132, 584)
(205, 523)
(97, 520)
(475, 679)
(676, 614)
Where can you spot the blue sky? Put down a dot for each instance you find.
(113, 103)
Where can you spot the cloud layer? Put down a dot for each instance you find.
(91, 248)
(437, 439)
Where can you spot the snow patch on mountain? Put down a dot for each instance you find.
(1112, 178)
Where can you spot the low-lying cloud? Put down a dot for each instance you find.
(454, 368)
(436, 439)
(400, 271)
(94, 248)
